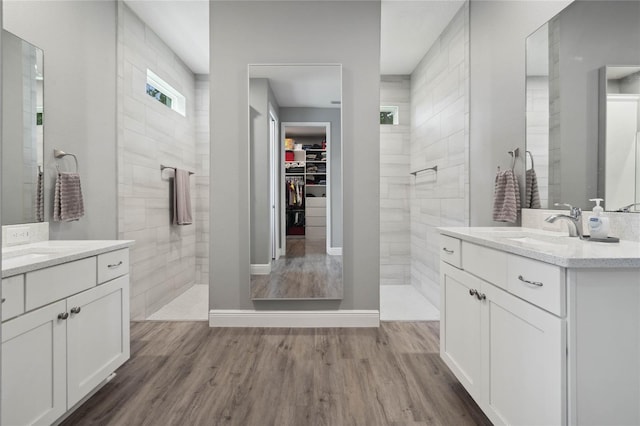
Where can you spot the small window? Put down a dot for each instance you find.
(164, 93)
(389, 115)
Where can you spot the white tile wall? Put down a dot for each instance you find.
(163, 260)
(395, 254)
(202, 179)
(439, 136)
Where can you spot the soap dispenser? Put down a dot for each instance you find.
(598, 223)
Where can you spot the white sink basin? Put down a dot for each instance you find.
(541, 241)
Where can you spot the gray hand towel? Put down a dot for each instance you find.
(506, 197)
(67, 200)
(532, 195)
(181, 198)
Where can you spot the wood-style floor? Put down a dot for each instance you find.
(306, 272)
(185, 373)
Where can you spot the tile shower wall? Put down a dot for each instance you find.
(395, 254)
(538, 132)
(439, 137)
(202, 179)
(149, 134)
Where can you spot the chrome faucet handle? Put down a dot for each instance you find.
(576, 212)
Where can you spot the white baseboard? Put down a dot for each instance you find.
(261, 269)
(294, 319)
(334, 251)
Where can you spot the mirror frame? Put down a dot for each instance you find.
(336, 202)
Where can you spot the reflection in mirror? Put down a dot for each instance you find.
(564, 122)
(620, 144)
(295, 149)
(22, 131)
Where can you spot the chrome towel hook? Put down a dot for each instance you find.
(58, 153)
(514, 154)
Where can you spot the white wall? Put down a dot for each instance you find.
(497, 95)
(163, 260)
(261, 96)
(79, 43)
(439, 137)
(245, 33)
(395, 246)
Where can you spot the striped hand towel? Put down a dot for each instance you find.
(67, 200)
(40, 197)
(506, 197)
(532, 194)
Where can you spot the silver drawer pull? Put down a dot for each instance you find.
(536, 283)
(446, 250)
(114, 265)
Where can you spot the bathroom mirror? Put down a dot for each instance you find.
(564, 124)
(295, 168)
(22, 131)
(620, 153)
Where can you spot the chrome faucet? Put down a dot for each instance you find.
(574, 218)
(625, 209)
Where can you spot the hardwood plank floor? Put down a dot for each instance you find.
(306, 272)
(185, 373)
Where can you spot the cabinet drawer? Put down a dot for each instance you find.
(315, 232)
(112, 265)
(316, 201)
(450, 251)
(546, 287)
(486, 263)
(12, 296)
(57, 282)
(316, 221)
(316, 211)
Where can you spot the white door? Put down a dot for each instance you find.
(97, 335)
(460, 326)
(34, 367)
(523, 362)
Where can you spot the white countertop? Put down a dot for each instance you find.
(551, 247)
(29, 257)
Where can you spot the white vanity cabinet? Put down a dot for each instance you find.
(539, 343)
(506, 352)
(71, 338)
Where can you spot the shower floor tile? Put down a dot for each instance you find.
(192, 305)
(405, 303)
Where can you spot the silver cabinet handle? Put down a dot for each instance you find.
(536, 283)
(63, 316)
(446, 250)
(114, 265)
(76, 310)
(477, 294)
(4, 300)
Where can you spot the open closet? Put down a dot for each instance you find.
(306, 173)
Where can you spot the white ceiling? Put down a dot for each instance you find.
(408, 29)
(302, 86)
(182, 24)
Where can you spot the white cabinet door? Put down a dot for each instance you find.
(34, 367)
(460, 326)
(97, 336)
(524, 362)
